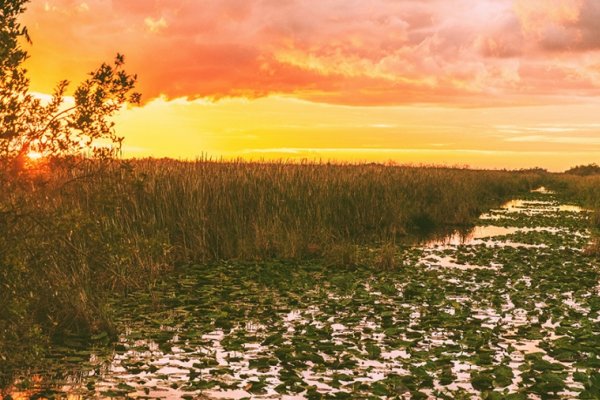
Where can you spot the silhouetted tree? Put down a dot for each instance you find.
(55, 128)
(36, 231)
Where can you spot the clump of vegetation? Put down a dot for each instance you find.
(584, 170)
(593, 249)
(213, 210)
(585, 190)
(387, 258)
(342, 255)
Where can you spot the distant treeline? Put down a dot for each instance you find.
(584, 170)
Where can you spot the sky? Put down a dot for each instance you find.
(480, 83)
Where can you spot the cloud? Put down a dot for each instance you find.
(561, 25)
(578, 134)
(555, 139)
(155, 25)
(379, 52)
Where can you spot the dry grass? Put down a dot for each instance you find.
(341, 255)
(211, 210)
(387, 258)
(586, 191)
(80, 242)
(593, 249)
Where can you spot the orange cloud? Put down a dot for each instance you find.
(338, 51)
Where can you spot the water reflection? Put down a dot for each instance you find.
(522, 206)
(470, 237)
(570, 208)
(36, 389)
(539, 207)
(543, 190)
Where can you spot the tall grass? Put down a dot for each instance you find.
(584, 189)
(215, 210)
(78, 241)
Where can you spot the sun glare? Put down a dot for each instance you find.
(34, 155)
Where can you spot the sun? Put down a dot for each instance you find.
(35, 155)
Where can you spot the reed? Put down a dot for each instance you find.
(585, 190)
(216, 210)
(81, 241)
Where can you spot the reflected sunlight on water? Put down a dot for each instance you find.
(35, 383)
(524, 206)
(479, 232)
(543, 190)
(539, 206)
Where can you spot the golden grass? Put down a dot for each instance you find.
(216, 210)
(81, 241)
(584, 189)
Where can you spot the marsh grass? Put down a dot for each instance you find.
(342, 255)
(593, 249)
(85, 235)
(387, 258)
(585, 190)
(212, 210)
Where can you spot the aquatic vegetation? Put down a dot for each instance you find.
(524, 322)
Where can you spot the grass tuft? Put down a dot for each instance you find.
(387, 258)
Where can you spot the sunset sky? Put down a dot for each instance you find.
(485, 83)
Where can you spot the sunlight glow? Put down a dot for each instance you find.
(519, 78)
(35, 155)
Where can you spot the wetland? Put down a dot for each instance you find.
(508, 310)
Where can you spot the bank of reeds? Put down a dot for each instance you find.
(584, 189)
(73, 242)
(214, 210)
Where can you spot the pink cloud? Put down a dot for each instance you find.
(339, 51)
(561, 25)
